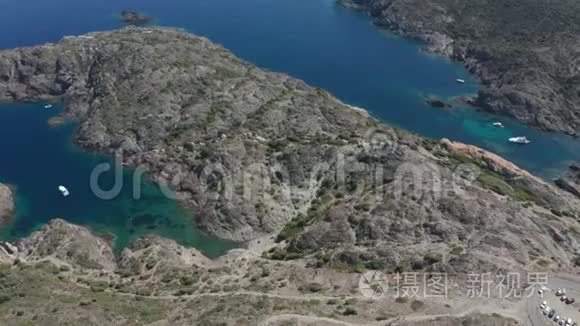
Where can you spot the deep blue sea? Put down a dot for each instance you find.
(318, 41)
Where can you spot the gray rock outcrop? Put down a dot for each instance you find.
(6, 203)
(570, 181)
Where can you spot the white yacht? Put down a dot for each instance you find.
(63, 191)
(519, 140)
(498, 124)
(461, 81)
(48, 106)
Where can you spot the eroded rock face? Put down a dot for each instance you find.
(69, 243)
(6, 203)
(524, 58)
(570, 181)
(153, 254)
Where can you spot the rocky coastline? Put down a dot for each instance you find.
(257, 154)
(525, 63)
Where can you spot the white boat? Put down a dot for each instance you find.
(461, 81)
(519, 140)
(63, 191)
(48, 106)
(498, 124)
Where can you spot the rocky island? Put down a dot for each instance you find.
(134, 18)
(524, 53)
(313, 186)
(437, 103)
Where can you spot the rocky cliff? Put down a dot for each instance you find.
(523, 52)
(259, 154)
(570, 181)
(6, 203)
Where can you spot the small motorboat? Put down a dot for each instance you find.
(461, 81)
(498, 124)
(519, 140)
(48, 106)
(63, 191)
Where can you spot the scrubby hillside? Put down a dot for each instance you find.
(64, 275)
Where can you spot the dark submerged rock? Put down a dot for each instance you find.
(134, 18)
(437, 103)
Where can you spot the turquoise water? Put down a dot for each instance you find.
(316, 40)
(36, 159)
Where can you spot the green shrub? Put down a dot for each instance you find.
(417, 304)
(349, 312)
(4, 298)
(433, 257)
(64, 268)
(401, 300)
(315, 287)
(497, 184)
(359, 268)
(456, 250)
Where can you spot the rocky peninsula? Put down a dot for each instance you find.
(524, 54)
(257, 154)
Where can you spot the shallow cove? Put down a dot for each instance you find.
(36, 159)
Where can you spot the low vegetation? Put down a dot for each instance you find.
(494, 182)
